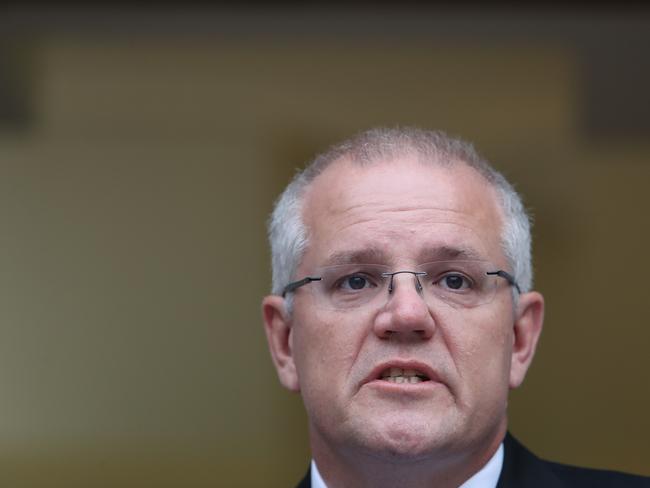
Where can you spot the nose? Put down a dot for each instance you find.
(406, 315)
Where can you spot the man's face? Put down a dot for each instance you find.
(401, 214)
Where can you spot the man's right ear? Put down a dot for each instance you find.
(279, 336)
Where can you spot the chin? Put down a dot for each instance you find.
(405, 441)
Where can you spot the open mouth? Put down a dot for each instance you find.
(400, 375)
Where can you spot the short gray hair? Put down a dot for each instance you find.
(289, 236)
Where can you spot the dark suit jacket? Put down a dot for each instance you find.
(522, 469)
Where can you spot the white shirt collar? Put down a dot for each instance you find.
(487, 477)
(316, 479)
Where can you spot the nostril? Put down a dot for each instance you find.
(404, 317)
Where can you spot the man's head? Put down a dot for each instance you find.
(289, 237)
(388, 201)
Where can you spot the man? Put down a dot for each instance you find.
(402, 312)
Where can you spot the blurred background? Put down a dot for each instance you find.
(141, 150)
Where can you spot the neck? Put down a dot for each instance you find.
(364, 468)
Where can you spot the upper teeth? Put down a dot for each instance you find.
(399, 375)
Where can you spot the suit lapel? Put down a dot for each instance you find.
(306, 481)
(522, 469)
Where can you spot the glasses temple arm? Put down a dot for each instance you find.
(297, 284)
(508, 277)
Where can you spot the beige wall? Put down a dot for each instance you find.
(133, 251)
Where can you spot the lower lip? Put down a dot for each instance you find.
(389, 386)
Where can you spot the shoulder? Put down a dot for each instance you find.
(306, 481)
(521, 468)
(596, 478)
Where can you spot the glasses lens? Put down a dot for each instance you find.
(461, 284)
(351, 285)
(458, 283)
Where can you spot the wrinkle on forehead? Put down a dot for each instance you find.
(340, 196)
(401, 202)
(378, 215)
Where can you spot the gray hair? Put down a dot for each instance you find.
(289, 235)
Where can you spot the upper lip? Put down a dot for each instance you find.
(418, 366)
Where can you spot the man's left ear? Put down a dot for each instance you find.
(527, 329)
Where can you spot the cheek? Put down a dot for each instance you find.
(325, 349)
(310, 352)
(480, 346)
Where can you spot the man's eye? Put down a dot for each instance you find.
(355, 282)
(455, 282)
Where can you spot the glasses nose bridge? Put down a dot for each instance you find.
(416, 278)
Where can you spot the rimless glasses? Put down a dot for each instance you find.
(461, 284)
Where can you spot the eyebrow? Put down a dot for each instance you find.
(375, 255)
(360, 256)
(445, 253)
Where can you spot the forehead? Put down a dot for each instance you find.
(401, 210)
